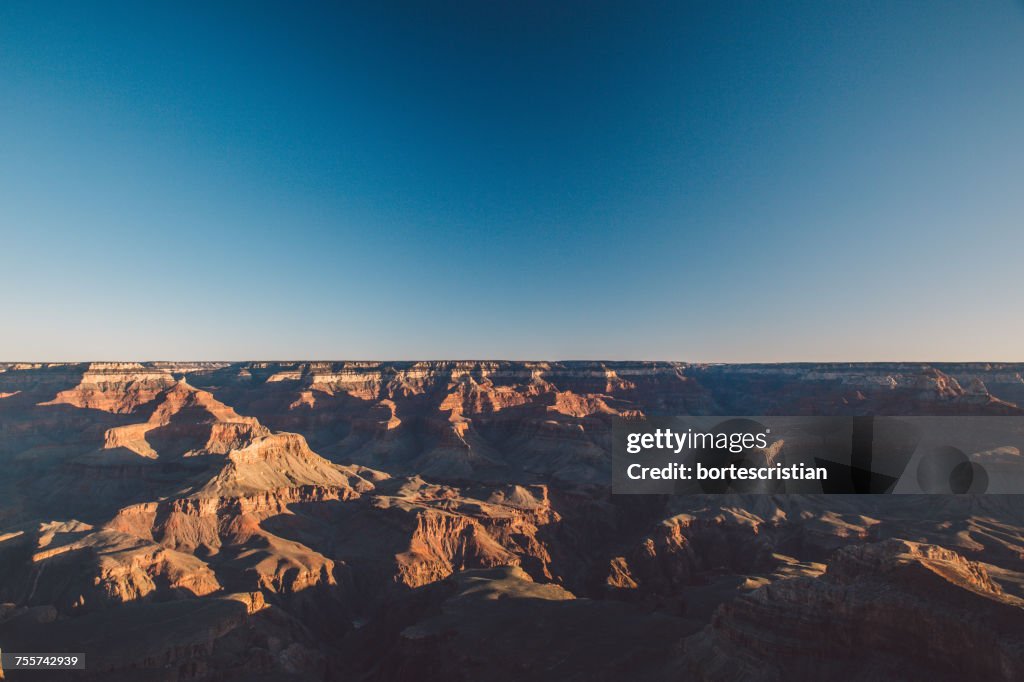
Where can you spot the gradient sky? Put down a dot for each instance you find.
(718, 181)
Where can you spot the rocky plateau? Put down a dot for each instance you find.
(454, 521)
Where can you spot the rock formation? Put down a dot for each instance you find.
(436, 520)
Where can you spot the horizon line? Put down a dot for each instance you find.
(509, 360)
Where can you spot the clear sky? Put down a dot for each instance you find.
(718, 181)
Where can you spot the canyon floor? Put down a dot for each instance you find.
(454, 521)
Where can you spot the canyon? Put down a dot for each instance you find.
(454, 520)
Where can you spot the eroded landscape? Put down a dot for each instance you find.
(454, 520)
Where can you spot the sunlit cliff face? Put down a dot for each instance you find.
(334, 518)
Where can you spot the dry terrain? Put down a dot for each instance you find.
(454, 521)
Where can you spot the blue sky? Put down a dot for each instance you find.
(690, 181)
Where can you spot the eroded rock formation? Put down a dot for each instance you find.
(368, 520)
